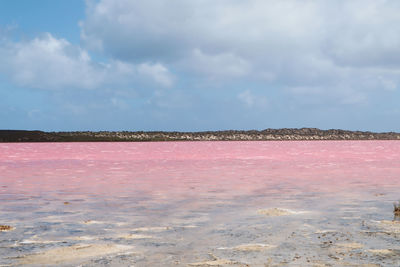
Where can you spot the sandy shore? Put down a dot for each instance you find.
(232, 235)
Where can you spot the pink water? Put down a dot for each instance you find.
(154, 180)
(178, 169)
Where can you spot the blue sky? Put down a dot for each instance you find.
(199, 65)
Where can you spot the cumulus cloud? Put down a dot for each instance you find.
(49, 63)
(338, 50)
(328, 45)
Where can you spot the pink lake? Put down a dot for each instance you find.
(200, 203)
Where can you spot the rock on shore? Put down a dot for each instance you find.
(231, 135)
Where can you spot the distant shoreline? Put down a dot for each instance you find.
(231, 135)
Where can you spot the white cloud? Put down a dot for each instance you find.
(309, 44)
(322, 49)
(156, 71)
(50, 63)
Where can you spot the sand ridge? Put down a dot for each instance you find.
(275, 212)
(73, 253)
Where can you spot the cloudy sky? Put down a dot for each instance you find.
(199, 64)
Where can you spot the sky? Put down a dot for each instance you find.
(178, 65)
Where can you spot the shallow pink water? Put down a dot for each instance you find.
(205, 195)
(187, 169)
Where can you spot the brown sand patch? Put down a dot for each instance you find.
(394, 223)
(347, 264)
(380, 251)
(275, 212)
(5, 228)
(350, 245)
(320, 264)
(73, 254)
(253, 247)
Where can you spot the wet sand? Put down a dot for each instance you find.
(240, 212)
(225, 235)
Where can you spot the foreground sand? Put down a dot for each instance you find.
(308, 230)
